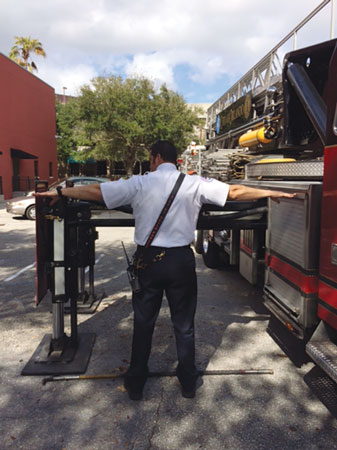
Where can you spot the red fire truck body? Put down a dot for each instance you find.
(290, 144)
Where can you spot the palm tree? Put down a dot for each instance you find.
(21, 50)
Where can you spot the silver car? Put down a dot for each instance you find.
(25, 206)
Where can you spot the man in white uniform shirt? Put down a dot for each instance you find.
(168, 265)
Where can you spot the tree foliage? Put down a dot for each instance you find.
(22, 49)
(122, 118)
(69, 133)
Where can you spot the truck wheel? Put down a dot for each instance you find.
(211, 253)
(30, 212)
(198, 241)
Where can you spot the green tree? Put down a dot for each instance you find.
(69, 133)
(122, 118)
(175, 121)
(22, 49)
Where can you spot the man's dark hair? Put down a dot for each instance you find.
(166, 150)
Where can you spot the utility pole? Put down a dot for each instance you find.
(64, 94)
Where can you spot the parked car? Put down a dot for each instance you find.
(25, 206)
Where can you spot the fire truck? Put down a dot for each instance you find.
(278, 130)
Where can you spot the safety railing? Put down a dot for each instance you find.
(265, 73)
(24, 184)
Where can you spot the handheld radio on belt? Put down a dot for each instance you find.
(132, 274)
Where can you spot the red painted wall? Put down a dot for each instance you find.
(27, 123)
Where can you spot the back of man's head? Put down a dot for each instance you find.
(166, 150)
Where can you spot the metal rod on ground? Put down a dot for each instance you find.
(158, 374)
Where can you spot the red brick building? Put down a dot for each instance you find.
(27, 129)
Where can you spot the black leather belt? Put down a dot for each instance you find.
(162, 248)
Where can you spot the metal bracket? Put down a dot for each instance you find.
(334, 254)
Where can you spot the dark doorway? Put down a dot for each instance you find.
(22, 183)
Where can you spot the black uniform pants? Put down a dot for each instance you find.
(175, 275)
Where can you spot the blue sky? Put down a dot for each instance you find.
(197, 48)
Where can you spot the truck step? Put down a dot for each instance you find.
(324, 354)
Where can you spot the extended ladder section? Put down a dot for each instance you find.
(259, 90)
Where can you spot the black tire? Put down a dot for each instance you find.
(211, 253)
(198, 241)
(30, 212)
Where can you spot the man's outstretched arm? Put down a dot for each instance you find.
(91, 192)
(241, 192)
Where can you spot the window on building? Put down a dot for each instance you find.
(50, 170)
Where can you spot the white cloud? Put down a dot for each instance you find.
(209, 69)
(83, 38)
(154, 66)
(71, 77)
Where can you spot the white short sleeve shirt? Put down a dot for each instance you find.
(147, 194)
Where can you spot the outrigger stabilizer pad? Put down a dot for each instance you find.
(73, 359)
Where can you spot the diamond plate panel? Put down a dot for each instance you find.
(325, 355)
(296, 170)
(323, 387)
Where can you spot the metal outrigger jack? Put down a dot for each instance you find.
(93, 299)
(63, 247)
(87, 301)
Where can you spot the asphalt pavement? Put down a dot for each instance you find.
(285, 410)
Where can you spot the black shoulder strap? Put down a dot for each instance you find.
(165, 209)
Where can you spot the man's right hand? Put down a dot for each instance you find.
(53, 195)
(241, 192)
